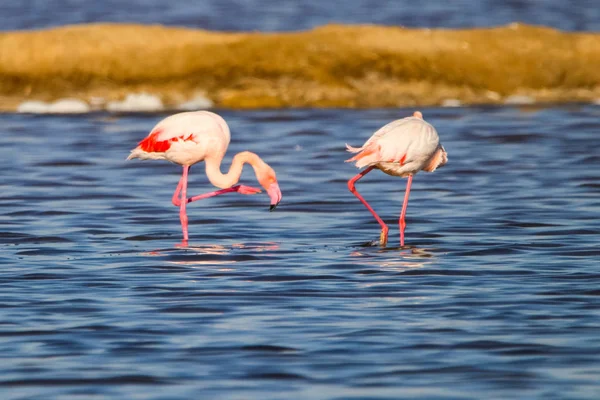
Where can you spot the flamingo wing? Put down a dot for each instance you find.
(185, 137)
(399, 141)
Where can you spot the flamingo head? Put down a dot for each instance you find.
(268, 180)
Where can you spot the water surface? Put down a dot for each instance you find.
(273, 15)
(495, 295)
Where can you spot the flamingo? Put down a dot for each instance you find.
(401, 148)
(190, 137)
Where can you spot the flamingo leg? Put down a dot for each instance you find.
(243, 189)
(176, 200)
(183, 202)
(181, 194)
(402, 222)
(384, 229)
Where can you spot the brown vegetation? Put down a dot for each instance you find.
(331, 66)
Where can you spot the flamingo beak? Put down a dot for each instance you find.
(275, 195)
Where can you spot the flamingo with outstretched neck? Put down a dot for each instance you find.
(400, 148)
(190, 137)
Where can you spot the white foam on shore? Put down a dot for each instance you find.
(133, 102)
(197, 103)
(517, 99)
(63, 106)
(136, 102)
(451, 103)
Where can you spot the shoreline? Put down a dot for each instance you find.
(332, 66)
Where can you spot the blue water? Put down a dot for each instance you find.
(496, 295)
(276, 15)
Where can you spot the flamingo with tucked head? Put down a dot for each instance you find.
(190, 137)
(400, 148)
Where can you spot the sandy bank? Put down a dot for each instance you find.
(331, 66)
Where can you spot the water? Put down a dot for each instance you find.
(496, 295)
(274, 15)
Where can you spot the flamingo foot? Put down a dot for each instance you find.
(383, 238)
(183, 244)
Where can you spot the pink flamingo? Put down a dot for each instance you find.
(190, 137)
(400, 148)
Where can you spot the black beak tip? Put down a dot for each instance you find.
(273, 206)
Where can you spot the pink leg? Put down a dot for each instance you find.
(182, 214)
(181, 193)
(176, 201)
(384, 228)
(402, 222)
(243, 189)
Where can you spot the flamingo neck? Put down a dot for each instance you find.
(224, 181)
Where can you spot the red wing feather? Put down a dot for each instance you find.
(151, 144)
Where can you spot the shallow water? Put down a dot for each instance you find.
(495, 296)
(274, 15)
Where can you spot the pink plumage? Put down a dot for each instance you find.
(400, 148)
(185, 139)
